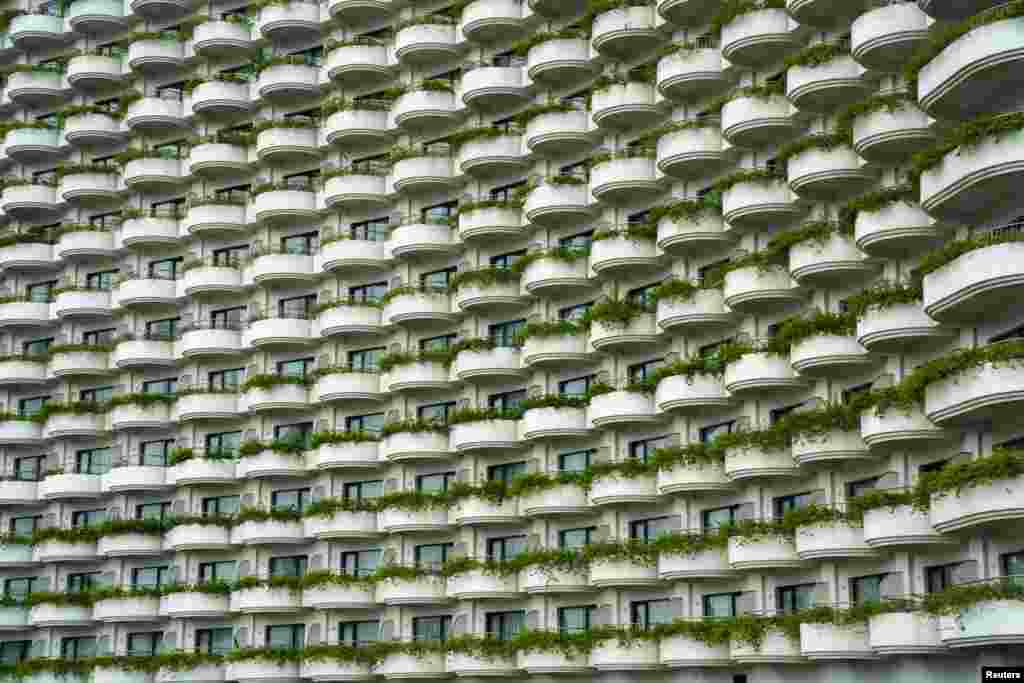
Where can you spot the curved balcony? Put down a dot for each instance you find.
(72, 426)
(426, 43)
(684, 652)
(273, 332)
(277, 397)
(989, 622)
(35, 89)
(209, 342)
(488, 157)
(615, 655)
(904, 633)
(149, 231)
(690, 152)
(212, 406)
(130, 610)
(91, 189)
(357, 127)
(625, 105)
(424, 590)
(195, 537)
(742, 464)
(895, 229)
(348, 386)
(153, 174)
(618, 408)
(826, 86)
(398, 521)
(547, 663)
(755, 121)
(558, 203)
(549, 423)
(622, 180)
(356, 254)
(359, 64)
(559, 133)
(836, 260)
(775, 648)
(705, 308)
(79, 363)
(488, 365)
(212, 219)
(425, 110)
(559, 61)
(622, 574)
(891, 136)
(97, 17)
(760, 37)
(269, 532)
(342, 525)
(832, 541)
(619, 253)
(28, 145)
(490, 21)
(33, 31)
(829, 355)
(688, 74)
(764, 553)
(567, 499)
(156, 55)
(60, 551)
(212, 280)
(352, 455)
(82, 303)
(20, 433)
(287, 82)
(221, 98)
(28, 255)
(189, 605)
(134, 478)
(415, 240)
(833, 642)
(24, 314)
(131, 545)
(899, 427)
(92, 129)
(143, 353)
(494, 88)
(350, 319)
(468, 665)
(263, 670)
(985, 62)
(153, 115)
(983, 505)
(268, 464)
(556, 351)
(691, 394)
(474, 511)
(827, 173)
(280, 269)
(538, 582)
(200, 470)
(339, 596)
(832, 446)
(267, 600)
(696, 478)
(898, 327)
(401, 665)
(482, 223)
(616, 490)
(825, 13)
(901, 527)
(703, 565)
(60, 616)
(221, 38)
(625, 31)
(25, 370)
(419, 307)
(290, 22)
(132, 416)
(30, 202)
(160, 10)
(975, 283)
(641, 330)
(354, 190)
(15, 555)
(415, 446)
(759, 204)
(360, 12)
(287, 145)
(550, 274)
(761, 371)
(423, 174)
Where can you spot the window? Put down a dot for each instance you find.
(144, 644)
(578, 386)
(158, 511)
(29, 468)
(83, 519)
(711, 273)
(96, 395)
(442, 342)
(647, 530)
(216, 506)
(790, 599)
(163, 330)
(221, 571)
(291, 566)
(36, 347)
(645, 614)
(507, 333)
(31, 406)
(368, 293)
(78, 647)
(295, 368)
(434, 483)
(298, 434)
(296, 306)
(927, 468)
(851, 394)
(642, 372)
(305, 243)
(290, 499)
(439, 213)
(506, 472)
(160, 386)
(285, 636)
(24, 526)
(1013, 566)
(311, 56)
(238, 193)
(92, 461)
(861, 487)
(374, 422)
(642, 296)
(506, 260)
(81, 583)
(432, 555)
(431, 628)
(572, 539)
(165, 269)
(504, 626)
(437, 279)
(223, 444)
(505, 548)
(366, 359)
(150, 577)
(363, 490)
(575, 461)
(580, 241)
(575, 619)
(356, 633)
(215, 641)
(19, 588)
(376, 230)
(227, 318)
(226, 379)
(360, 562)
(865, 589)
(506, 401)
(103, 280)
(99, 337)
(797, 501)
(41, 292)
(719, 517)
(14, 651)
(642, 449)
(940, 577)
(436, 412)
(230, 256)
(720, 604)
(776, 414)
(574, 312)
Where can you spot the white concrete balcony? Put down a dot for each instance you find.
(705, 308)
(193, 537)
(150, 174)
(355, 64)
(556, 350)
(346, 253)
(615, 655)
(208, 406)
(281, 269)
(132, 416)
(427, 43)
(619, 253)
(91, 189)
(285, 205)
(761, 371)
(554, 274)
(156, 55)
(616, 490)
(153, 115)
(474, 511)
(709, 564)
(27, 145)
(559, 133)
(355, 385)
(625, 31)
(977, 506)
(20, 432)
(547, 663)
(269, 532)
(466, 665)
(976, 394)
(989, 622)
(342, 525)
(15, 555)
(684, 12)
(682, 652)
(134, 478)
(360, 12)
(28, 255)
(160, 10)
(411, 666)
(290, 22)
(421, 239)
(204, 280)
(895, 229)
(14, 492)
(691, 73)
(415, 446)
(494, 88)
(554, 423)
(827, 642)
(489, 296)
(24, 314)
(827, 173)
(221, 98)
(425, 110)
(221, 38)
(759, 37)
(287, 145)
(623, 407)
(92, 129)
(131, 545)
(690, 152)
(560, 60)
(35, 89)
(891, 136)
(339, 596)
(985, 63)
(423, 174)
(898, 327)
(72, 426)
(899, 427)
(826, 263)
(48, 615)
(497, 156)
(754, 121)
(565, 499)
(826, 86)
(825, 13)
(622, 574)
(209, 342)
(419, 307)
(830, 447)
(775, 648)
(971, 285)
(30, 202)
(905, 633)
(350, 319)
(283, 332)
(829, 355)
(901, 527)
(268, 464)
(760, 203)
(194, 605)
(60, 551)
(267, 600)
(144, 353)
(357, 127)
(424, 590)
(80, 363)
(491, 222)
(37, 30)
(477, 585)
(537, 582)
(490, 21)
(356, 189)
(488, 365)
(114, 674)
(92, 72)
(763, 553)
(113, 610)
(82, 303)
(355, 455)
(263, 670)
(744, 464)
(399, 521)
(837, 540)
(97, 16)
(284, 396)
(556, 203)
(149, 231)
(23, 371)
(625, 105)
(691, 394)
(641, 330)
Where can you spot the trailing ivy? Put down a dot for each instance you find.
(822, 141)
(964, 137)
(816, 55)
(951, 251)
(876, 201)
(883, 296)
(730, 10)
(483, 277)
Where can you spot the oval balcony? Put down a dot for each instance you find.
(60, 551)
(221, 98)
(491, 222)
(283, 205)
(205, 280)
(159, 10)
(835, 260)
(141, 416)
(623, 180)
(494, 88)
(898, 327)
(149, 231)
(267, 600)
(488, 365)
(428, 520)
(690, 152)
(360, 12)
(827, 173)
(615, 655)
(275, 332)
(705, 308)
(94, 72)
(702, 565)
(357, 254)
(263, 670)
(27, 145)
(488, 157)
(538, 582)
(618, 252)
(892, 135)
(222, 38)
(287, 144)
(286, 396)
(691, 394)
(898, 427)
(986, 504)
(622, 574)
(30, 202)
(351, 455)
(829, 355)
(679, 652)
(208, 406)
(825, 13)
(24, 314)
(195, 537)
(75, 426)
(566, 499)
(15, 555)
(641, 330)
(37, 88)
(550, 274)
(765, 553)
(423, 590)
(685, 12)
(832, 541)
(467, 665)
(82, 303)
(133, 478)
(829, 447)
(696, 478)
(426, 43)
(901, 527)
(26, 370)
(895, 229)
(547, 663)
(131, 545)
(154, 115)
(417, 307)
(268, 464)
(988, 622)
(619, 408)
(339, 596)
(548, 423)
(341, 525)
(358, 63)
(156, 55)
(559, 133)
(47, 615)
(355, 189)
(975, 283)
(206, 342)
(904, 633)
(80, 363)
(625, 105)
(759, 37)
(269, 532)
(348, 385)
(775, 648)
(194, 605)
(616, 490)
(758, 120)
(555, 202)
(626, 31)
(760, 203)
(281, 269)
(415, 446)
(358, 127)
(37, 30)
(91, 189)
(209, 217)
(984, 62)
(742, 464)
(556, 350)
(20, 432)
(688, 74)
(834, 642)
(560, 60)
(289, 22)
(28, 255)
(423, 174)
(287, 82)
(149, 174)
(97, 17)
(425, 110)
(344, 319)
(826, 86)
(420, 239)
(489, 21)
(143, 353)
(475, 511)
(761, 371)
(401, 665)
(92, 129)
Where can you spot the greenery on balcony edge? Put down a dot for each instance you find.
(964, 137)
(729, 10)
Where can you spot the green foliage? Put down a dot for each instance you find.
(322, 438)
(555, 328)
(816, 55)
(635, 232)
(950, 251)
(824, 141)
(393, 360)
(614, 312)
(964, 137)
(415, 426)
(729, 10)
(892, 102)
(269, 381)
(875, 201)
(251, 514)
(748, 175)
(883, 296)
(794, 330)
(484, 277)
